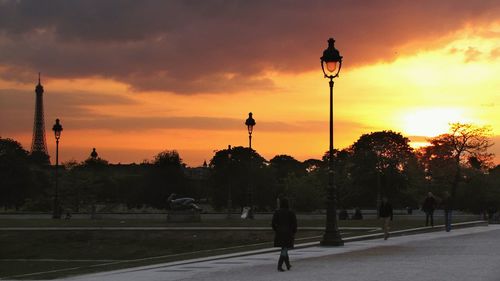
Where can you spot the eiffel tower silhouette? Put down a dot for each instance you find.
(39, 144)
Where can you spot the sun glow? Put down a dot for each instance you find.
(431, 122)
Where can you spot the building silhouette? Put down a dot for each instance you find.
(39, 144)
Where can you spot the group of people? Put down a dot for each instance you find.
(430, 203)
(284, 222)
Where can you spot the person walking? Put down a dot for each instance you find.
(446, 205)
(428, 207)
(285, 226)
(385, 212)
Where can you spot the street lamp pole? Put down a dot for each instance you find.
(229, 199)
(330, 59)
(250, 123)
(57, 128)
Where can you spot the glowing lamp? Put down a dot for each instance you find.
(330, 59)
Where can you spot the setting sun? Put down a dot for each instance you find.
(431, 122)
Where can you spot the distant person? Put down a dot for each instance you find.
(428, 207)
(343, 215)
(385, 212)
(68, 215)
(446, 205)
(285, 226)
(357, 214)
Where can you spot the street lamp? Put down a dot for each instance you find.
(332, 61)
(229, 199)
(57, 128)
(250, 122)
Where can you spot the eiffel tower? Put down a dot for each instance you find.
(39, 144)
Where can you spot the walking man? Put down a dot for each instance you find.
(385, 212)
(428, 207)
(446, 204)
(285, 226)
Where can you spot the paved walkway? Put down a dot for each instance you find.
(169, 228)
(463, 254)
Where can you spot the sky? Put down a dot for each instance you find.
(133, 78)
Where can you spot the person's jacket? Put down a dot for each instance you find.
(385, 210)
(429, 204)
(284, 225)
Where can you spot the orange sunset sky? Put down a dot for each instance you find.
(133, 78)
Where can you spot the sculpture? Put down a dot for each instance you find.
(184, 203)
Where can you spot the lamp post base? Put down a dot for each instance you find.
(56, 213)
(332, 239)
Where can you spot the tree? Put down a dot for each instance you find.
(22, 182)
(382, 160)
(166, 176)
(15, 175)
(40, 158)
(244, 167)
(464, 145)
(284, 165)
(306, 193)
(312, 165)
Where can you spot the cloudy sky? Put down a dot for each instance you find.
(133, 78)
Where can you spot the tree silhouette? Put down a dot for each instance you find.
(165, 176)
(237, 170)
(381, 160)
(21, 180)
(465, 144)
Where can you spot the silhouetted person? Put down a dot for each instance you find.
(357, 214)
(446, 205)
(68, 215)
(385, 212)
(343, 215)
(428, 207)
(285, 226)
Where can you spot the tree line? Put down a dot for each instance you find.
(378, 164)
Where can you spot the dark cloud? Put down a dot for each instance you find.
(215, 46)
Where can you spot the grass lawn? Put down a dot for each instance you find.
(71, 252)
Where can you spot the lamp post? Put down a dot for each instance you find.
(229, 199)
(57, 128)
(332, 61)
(250, 122)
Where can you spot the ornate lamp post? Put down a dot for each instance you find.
(332, 61)
(57, 128)
(250, 122)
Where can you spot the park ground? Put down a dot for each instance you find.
(45, 249)
(465, 254)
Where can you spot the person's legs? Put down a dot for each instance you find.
(426, 218)
(386, 228)
(448, 220)
(284, 252)
(287, 258)
(431, 213)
